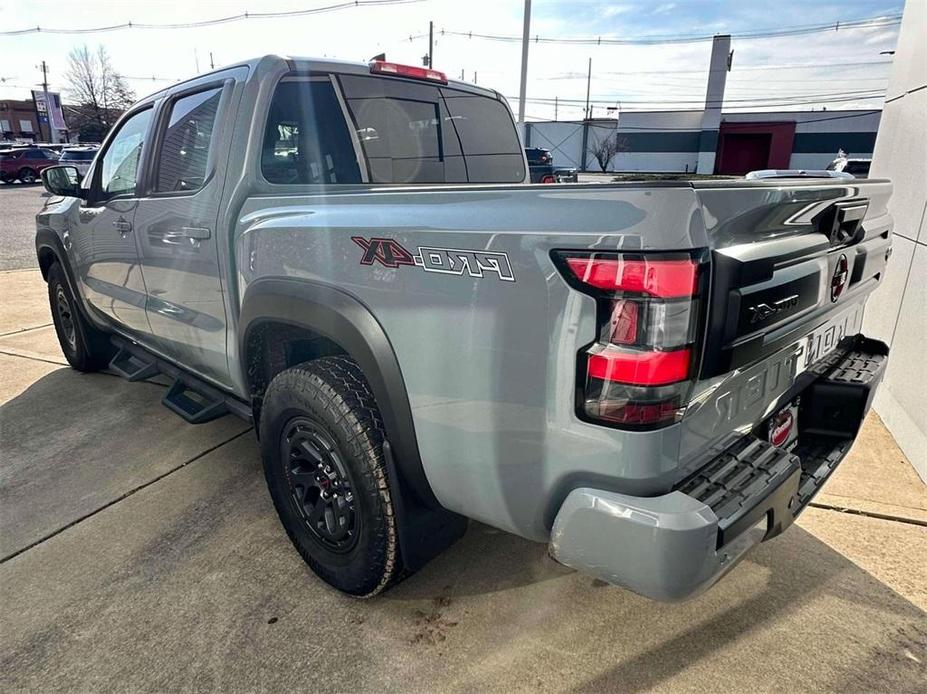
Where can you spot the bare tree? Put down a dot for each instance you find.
(606, 147)
(98, 92)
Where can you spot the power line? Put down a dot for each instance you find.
(151, 78)
(212, 22)
(870, 22)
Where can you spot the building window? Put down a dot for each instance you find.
(25, 126)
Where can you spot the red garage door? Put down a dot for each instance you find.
(744, 147)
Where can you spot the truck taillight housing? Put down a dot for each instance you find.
(639, 371)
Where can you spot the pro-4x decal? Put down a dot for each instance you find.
(447, 261)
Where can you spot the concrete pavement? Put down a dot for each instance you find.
(143, 554)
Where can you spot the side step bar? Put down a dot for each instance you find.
(188, 396)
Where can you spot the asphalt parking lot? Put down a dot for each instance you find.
(141, 553)
(18, 205)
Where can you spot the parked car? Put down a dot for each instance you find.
(542, 169)
(79, 157)
(652, 378)
(25, 165)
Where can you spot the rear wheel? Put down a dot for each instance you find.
(85, 347)
(27, 175)
(322, 447)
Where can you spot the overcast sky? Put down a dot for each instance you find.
(784, 73)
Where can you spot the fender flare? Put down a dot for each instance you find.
(343, 319)
(48, 240)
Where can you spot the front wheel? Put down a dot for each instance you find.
(85, 347)
(27, 176)
(322, 447)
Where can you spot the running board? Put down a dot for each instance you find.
(132, 367)
(192, 403)
(188, 396)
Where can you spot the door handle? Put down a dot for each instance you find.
(181, 236)
(123, 226)
(197, 233)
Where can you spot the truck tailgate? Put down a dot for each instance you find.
(791, 268)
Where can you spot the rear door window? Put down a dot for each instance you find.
(184, 151)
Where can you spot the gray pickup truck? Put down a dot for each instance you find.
(651, 378)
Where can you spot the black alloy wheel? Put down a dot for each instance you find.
(320, 485)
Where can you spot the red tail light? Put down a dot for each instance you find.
(548, 178)
(663, 278)
(638, 373)
(380, 67)
(642, 368)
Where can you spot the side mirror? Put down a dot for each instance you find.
(62, 180)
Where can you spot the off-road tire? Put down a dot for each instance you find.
(332, 395)
(85, 347)
(27, 175)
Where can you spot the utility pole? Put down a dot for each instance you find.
(555, 108)
(431, 44)
(524, 62)
(52, 131)
(212, 65)
(474, 77)
(462, 78)
(588, 83)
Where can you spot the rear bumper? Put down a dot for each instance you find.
(674, 546)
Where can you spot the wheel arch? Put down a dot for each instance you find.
(343, 322)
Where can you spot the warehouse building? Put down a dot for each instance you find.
(672, 141)
(709, 140)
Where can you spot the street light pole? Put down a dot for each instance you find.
(431, 44)
(588, 82)
(524, 62)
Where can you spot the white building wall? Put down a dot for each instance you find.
(897, 312)
(659, 162)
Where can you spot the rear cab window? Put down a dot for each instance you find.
(379, 130)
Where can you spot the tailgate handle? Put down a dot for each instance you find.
(842, 222)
